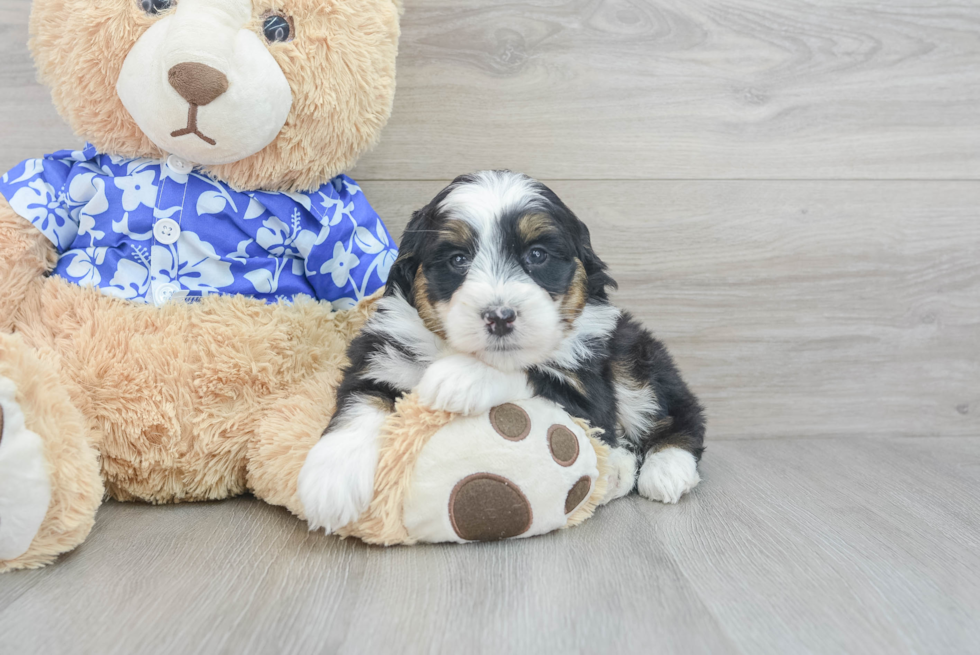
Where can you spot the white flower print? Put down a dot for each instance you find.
(131, 280)
(301, 198)
(264, 280)
(340, 210)
(375, 245)
(210, 202)
(193, 263)
(387, 256)
(99, 211)
(32, 167)
(241, 252)
(95, 204)
(38, 203)
(280, 239)
(341, 304)
(287, 243)
(138, 189)
(254, 209)
(352, 187)
(122, 227)
(213, 202)
(84, 266)
(340, 265)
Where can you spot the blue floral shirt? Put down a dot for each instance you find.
(154, 231)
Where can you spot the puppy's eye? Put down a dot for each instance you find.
(536, 256)
(154, 7)
(277, 29)
(459, 262)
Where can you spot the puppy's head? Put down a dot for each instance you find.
(498, 266)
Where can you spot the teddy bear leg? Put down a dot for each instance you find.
(284, 438)
(50, 485)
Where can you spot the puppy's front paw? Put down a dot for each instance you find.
(336, 483)
(668, 474)
(464, 385)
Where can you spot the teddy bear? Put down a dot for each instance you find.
(177, 296)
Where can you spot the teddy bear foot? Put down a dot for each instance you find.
(25, 490)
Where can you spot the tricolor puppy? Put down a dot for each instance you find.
(496, 295)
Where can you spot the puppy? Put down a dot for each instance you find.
(497, 295)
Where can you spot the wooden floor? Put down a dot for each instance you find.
(789, 195)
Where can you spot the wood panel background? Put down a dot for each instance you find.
(788, 193)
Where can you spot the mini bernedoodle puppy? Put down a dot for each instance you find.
(497, 295)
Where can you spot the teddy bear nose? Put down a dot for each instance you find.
(197, 83)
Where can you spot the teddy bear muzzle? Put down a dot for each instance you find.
(202, 86)
(198, 84)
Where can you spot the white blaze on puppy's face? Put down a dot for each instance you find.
(496, 284)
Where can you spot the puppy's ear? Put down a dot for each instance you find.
(401, 278)
(595, 268)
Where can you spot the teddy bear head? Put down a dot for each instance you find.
(262, 94)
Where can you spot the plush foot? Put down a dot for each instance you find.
(622, 474)
(25, 490)
(336, 483)
(464, 385)
(668, 474)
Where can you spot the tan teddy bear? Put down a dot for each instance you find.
(167, 293)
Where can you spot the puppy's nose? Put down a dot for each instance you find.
(197, 83)
(500, 320)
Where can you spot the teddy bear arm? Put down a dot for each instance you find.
(26, 256)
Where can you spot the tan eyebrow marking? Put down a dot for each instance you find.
(458, 233)
(532, 227)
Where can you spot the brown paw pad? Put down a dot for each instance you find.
(578, 493)
(563, 445)
(487, 507)
(510, 421)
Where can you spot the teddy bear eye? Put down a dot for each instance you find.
(154, 7)
(277, 29)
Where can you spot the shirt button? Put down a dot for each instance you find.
(178, 165)
(163, 293)
(166, 231)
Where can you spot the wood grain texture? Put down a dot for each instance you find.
(794, 308)
(832, 546)
(613, 89)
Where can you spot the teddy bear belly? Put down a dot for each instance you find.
(174, 393)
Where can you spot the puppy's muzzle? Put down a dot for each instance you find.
(500, 320)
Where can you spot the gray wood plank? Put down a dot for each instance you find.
(794, 308)
(612, 89)
(790, 545)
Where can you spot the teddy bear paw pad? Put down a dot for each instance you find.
(487, 507)
(518, 470)
(25, 491)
